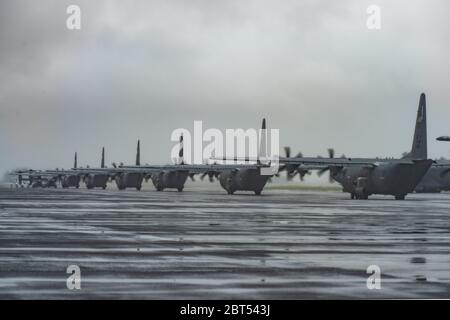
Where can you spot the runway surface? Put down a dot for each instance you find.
(208, 245)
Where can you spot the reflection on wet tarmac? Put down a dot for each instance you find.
(156, 245)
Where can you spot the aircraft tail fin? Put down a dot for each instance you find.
(75, 162)
(181, 152)
(263, 140)
(102, 164)
(419, 146)
(138, 153)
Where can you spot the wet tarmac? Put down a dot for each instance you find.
(209, 245)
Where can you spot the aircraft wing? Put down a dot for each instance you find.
(34, 173)
(149, 169)
(441, 163)
(312, 163)
(192, 168)
(338, 162)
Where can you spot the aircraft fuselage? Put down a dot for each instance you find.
(243, 180)
(70, 181)
(96, 180)
(390, 178)
(170, 179)
(437, 179)
(129, 180)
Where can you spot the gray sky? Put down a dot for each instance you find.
(140, 69)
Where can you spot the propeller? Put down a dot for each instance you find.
(292, 170)
(331, 155)
(211, 175)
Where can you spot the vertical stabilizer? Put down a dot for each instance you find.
(138, 153)
(419, 146)
(263, 141)
(181, 152)
(102, 164)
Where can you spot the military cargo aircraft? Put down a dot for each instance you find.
(245, 177)
(37, 178)
(93, 178)
(362, 177)
(67, 178)
(437, 178)
(132, 176)
(71, 180)
(232, 178)
(130, 179)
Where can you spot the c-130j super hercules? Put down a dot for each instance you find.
(361, 177)
(232, 177)
(437, 178)
(237, 177)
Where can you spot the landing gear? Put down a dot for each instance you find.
(103, 187)
(258, 192)
(352, 196)
(138, 188)
(230, 191)
(159, 188)
(400, 197)
(180, 189)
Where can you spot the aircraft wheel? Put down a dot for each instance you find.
(77, 186)
(103, 187)
(258, 192)
(180, 189)
(352, 196)
(138, 188)
(230, 191)
(400, 197)
(159, 188)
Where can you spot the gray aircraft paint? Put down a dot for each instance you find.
(68, 181)
(390, 178)
(437, 178)
(131, 179)
(96, 179)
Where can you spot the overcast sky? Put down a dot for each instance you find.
(140, 69)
